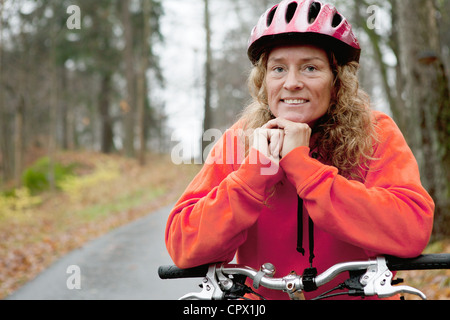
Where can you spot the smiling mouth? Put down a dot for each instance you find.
(294, 101)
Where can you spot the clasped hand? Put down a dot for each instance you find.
(279, 136)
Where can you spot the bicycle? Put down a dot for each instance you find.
(373, 277)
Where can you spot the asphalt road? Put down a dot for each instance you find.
(121, 265)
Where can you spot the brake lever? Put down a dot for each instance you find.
(211, 289)
(378, 281)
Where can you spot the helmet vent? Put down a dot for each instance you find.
(292, 7)
(271, 15)
(337, 19)
(314, 11)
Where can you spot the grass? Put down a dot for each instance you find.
(120, 204)
(105, 192)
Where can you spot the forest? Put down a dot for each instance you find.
(130, 77)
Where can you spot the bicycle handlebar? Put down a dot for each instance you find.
(423, 262)
(376, 280)
(173, 272)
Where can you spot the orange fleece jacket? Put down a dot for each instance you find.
(231, 208)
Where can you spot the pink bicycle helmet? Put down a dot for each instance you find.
(304, 21)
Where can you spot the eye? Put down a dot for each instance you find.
(278, 70)
(310, 68)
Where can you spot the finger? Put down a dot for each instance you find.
(296, 136)
(276, 142)
(272, 124)
(261, 141)
(279, 123)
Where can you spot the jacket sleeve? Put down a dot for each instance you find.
(390, 213)
(210, 220)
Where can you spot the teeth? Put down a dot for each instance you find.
(295, 101)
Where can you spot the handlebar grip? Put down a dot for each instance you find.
(173, 272)
(423, 262)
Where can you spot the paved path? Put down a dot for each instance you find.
(122, 264)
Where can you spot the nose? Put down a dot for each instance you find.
(293, 81)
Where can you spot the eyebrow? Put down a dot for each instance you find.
(308, 59)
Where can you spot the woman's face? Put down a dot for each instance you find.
(299, 83)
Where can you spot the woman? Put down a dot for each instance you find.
(319, 168)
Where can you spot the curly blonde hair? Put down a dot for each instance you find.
(344, 136)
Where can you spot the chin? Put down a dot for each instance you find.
(295, 118)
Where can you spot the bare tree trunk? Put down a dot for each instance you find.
(105, 118)
(142, 83)
(3, 133)
(399, 115)
(18, 140)
(70, 130)
(64, 109)
(392, 96)
(129, 71)
(375, 39)
(53, 105)
(141, 92)
(207, 121)
(426, 100)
